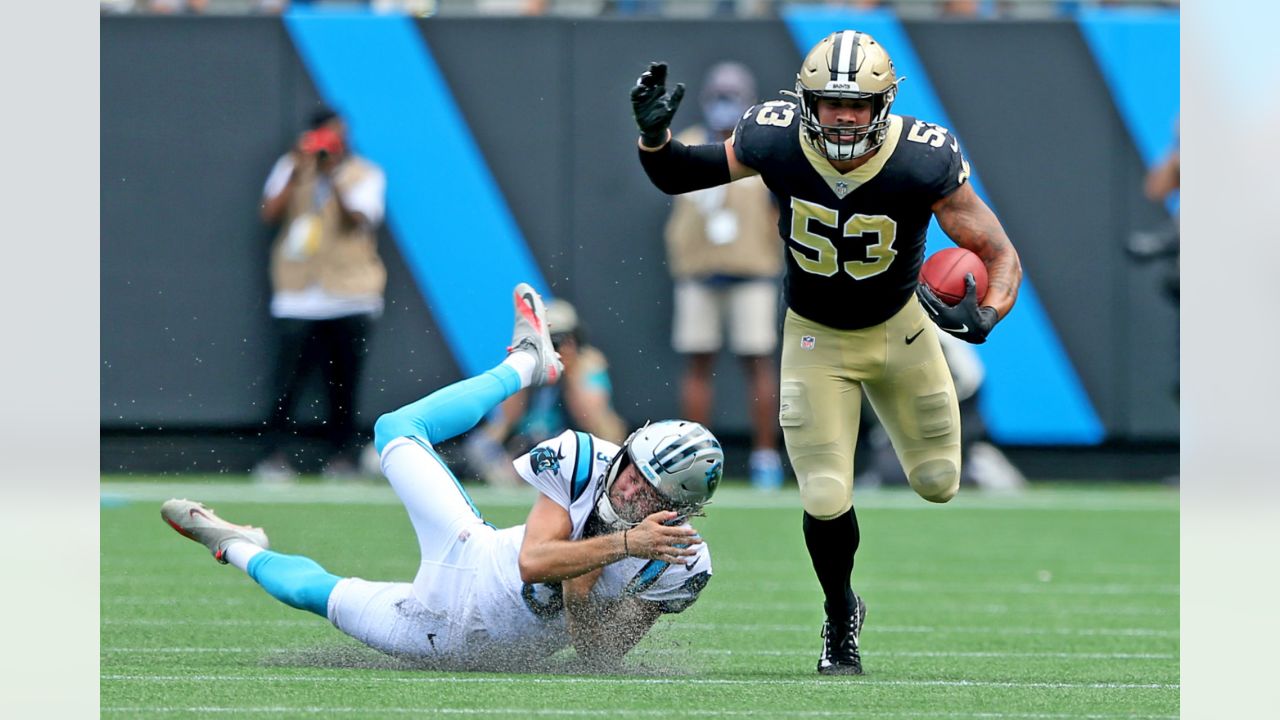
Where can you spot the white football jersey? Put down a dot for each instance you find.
(570, 470)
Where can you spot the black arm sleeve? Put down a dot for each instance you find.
(678, 168)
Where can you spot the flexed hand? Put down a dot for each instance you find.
(965, 320)
(653, 539)
(653, 105)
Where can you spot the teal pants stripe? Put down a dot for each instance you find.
(294, 580)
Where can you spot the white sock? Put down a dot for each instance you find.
(239, 553)
(523, 363)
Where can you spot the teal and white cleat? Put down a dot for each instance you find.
(533, 335)
(193, 520)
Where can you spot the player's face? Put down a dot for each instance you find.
(844, 112)
(633, 496)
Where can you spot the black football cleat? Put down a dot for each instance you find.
(840, 655)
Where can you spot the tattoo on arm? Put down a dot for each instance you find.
(973, 226)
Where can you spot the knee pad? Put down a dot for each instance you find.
(824, 496)
(935, 480)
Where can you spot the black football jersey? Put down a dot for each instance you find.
(854, 241)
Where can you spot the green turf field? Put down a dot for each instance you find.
(1057, 603)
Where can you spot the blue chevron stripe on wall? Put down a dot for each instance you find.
(443, 207)
(1137, 52)
(1032, 394)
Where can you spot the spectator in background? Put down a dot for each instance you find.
(1162, 243)
(1164, 179)
(512, 7)
(723, 253)
(327, 282)
(582, 399)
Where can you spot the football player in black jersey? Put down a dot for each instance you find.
(856, 186)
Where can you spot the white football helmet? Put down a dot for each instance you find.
(682, 459)
(849, 65)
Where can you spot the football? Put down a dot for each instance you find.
(943, 273)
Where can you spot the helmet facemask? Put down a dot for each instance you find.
(680, 460)
(846, 65)
(826, 139)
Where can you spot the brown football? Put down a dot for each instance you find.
(943, 272)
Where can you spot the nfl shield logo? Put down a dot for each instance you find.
(806, 342)
(842, 189)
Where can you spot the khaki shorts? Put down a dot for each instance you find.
(751, 307)
(900, 365)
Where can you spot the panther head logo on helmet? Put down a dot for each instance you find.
(846, 65)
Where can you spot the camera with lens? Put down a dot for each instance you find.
(322, 142)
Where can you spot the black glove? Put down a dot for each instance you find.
(653, 106)
(966, 320)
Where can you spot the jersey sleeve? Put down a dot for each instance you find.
(561, 467)
(942, 167)
(280, 173)
(674, 587)
(761, 128)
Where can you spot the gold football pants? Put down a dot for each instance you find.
(900, 365)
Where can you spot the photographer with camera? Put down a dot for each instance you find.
(327, 284)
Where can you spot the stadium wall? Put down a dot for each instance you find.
(195, 110)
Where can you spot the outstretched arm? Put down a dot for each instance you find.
(672, 166)
(971, 225)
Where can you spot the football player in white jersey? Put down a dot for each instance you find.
(605, 551)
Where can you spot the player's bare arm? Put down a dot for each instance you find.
(549, 555)
(972, 225)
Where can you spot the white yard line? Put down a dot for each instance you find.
(136, 578)
(687, 651)
(735, 627)
(570, 680)
(665, 713)
(1085, 500)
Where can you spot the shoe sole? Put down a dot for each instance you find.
(530, 306)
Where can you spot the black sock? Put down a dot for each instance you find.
(832, 544)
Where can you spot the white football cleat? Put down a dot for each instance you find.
(532, 335)
(193, 520)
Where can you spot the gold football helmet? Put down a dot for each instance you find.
(849, 65)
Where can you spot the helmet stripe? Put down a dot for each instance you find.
(699, 435)
(673, 457)
(847, 47)
(834, 63)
